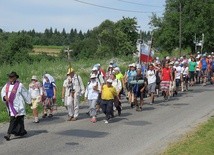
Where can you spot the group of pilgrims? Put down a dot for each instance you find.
(106, 91)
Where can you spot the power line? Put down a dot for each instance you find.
(135, 3)
(110, 8)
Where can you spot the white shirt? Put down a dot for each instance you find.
(22, 97)
(151, 76)
(78, 85)
(185, 70)
(117, 85)
(35, 90)
(178, 72)
(90, 93)
(67, 85)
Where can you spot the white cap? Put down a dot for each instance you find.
(117, 69)
(34, 77)
(181, 58)
(109, 81)
(93, 76)
(130, 65)
(110, 66)
(209, 56)
(157, 58)
(167, 57)
(94, 69)
(212, 53)
(176, 63)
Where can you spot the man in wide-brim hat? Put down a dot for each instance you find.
(15, 95)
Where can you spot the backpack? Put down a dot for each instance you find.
(204, 64)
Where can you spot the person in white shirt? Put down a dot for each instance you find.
(184, 77)
(151, 77)
(117, 84)
(177, 68)
(15, 95)
(36, 92)
(91, 94)
(76, 89)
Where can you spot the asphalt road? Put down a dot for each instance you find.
(133, 133)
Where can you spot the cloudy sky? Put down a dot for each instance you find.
(80, 14)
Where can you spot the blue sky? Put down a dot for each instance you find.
(40, 14)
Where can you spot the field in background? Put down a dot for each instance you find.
(49, 50)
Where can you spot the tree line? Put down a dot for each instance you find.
(196, 19)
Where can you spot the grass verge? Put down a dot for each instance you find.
(201, 142)
(56, 68)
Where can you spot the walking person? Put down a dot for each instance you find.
(139, 89)
(49, 95)
(192, 71)
(116, 83)
(184, 77)
(166, 78)
(76, 90)
(15, 95)
(178, 70)
(36, 92)
(108, 95)
(91, 95)
(151, 77)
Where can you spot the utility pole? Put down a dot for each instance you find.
(180, 29)
(202, 43)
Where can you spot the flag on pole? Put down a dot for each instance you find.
(146, 53)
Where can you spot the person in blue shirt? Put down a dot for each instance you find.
(49, 87)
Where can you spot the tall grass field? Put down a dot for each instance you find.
(57, 69)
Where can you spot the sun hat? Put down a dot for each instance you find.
(70, 70)
(34, 77)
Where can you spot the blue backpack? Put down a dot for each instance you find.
(204, 64)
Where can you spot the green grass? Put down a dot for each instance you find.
(48, 47)
(56, 68)
(201, 142)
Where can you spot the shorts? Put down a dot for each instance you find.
(35, 102)
(177, 82)
(151, 88)
(141, 95)
(191, 75)
(165, 85)
(204, 73)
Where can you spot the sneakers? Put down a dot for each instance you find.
(93, 120)
(106, 121)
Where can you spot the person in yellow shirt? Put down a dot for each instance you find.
(108, 95)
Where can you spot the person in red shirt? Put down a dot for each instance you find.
(166, 77)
